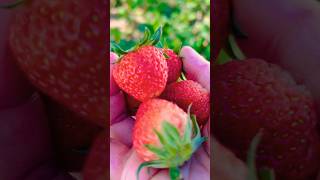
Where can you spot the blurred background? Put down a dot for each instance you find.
(185, 22)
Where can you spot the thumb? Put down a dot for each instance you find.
(196, 66)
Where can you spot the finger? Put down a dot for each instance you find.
(223, 159)
(114, 89)
(197, 171)
(295, 49)
(117, 108)
(118, 152)
(196, 66)
(203, 158)
(117, 131)
(131, 166)
(24, 139)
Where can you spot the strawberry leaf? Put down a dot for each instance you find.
(266, 174)
(235, 48)
(12, 4)
(174, 173)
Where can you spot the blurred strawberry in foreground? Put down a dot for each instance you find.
(174, 65)
(252, 95)
(61, 47)
(143, 71)
(221, 23)
(72, 135)
(184, 93)
(164, 136)
(96, 166)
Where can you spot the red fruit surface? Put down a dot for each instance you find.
(184, 93)
(221, 24)
(61, 47)
(142, 73)
(96, 166)
(150, 116)
(174, 65)
(252, 95)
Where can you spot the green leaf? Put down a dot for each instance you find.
(223, 57)
(235, 48)
(266, 174)
(174, 173)
(158, 151)
(117, 49)
(251, 159)
(145, 37)
(156, 36)
(12, 5)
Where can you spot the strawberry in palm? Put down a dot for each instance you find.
(60, 45)
(163, 136)
(143, 71)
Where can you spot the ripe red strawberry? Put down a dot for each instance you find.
(96, 166)
(184, 93)
(252, 95)
(162, 135)
(61, 46)
(174, 65)
(221, 23)
(142, 72)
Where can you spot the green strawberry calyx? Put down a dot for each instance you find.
(175, 150)
(13, 4)
(147, 40)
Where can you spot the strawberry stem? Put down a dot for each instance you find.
(147, 40)
(12, 4)
(175, 150)
(174, 173)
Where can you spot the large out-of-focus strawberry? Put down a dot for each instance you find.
(252, 95)
(61, 46)
(163, 135)
(221, 24)
(142, 72)
(184, 93)
(96, 166)
(174, 65)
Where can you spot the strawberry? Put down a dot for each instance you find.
(251, 96)
(96, 166)
(162, 135)
(142, 72)
(184, 93)
(174, 65)
(61, 47)
(221, 10)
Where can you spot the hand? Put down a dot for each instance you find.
(124, 161)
